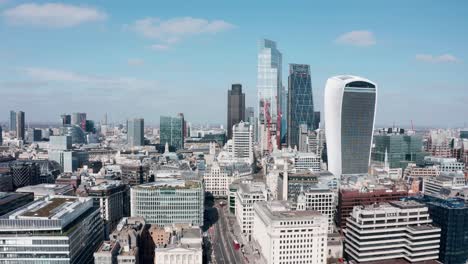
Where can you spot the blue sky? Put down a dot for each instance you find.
(163, 57)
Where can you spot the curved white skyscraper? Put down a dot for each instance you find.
(350, 106)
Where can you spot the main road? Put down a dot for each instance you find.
(222, 241)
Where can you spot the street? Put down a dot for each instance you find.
(222, 241)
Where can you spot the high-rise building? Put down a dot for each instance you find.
(171, 131)
(1, 136)
(169, 201)
(350, 105)
(75, 132)
(184, 124)
(247, 195)
(12, 120)
(79, 119)
(66, 119)
(316, 119)
(20, 127)
(24, 173)
(242, 141)
(249, 113)
(269, 86)
(300, 102)
(391, 231)
(60, 142)
(37, 135)
(284, 235)
(236, 107)
(135, 132)
(57, 229)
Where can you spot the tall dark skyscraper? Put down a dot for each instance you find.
(66, 119)
(12, 120)
(135, 132)
(1, 136)
(184, 124)
(300, 102)
(316, 119)
(236, 107)
(20, 125)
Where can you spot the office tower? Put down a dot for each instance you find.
(249, 113)
(79, 119)
(303, 142)
(322, 199)
(25, 173)
(10, 201)
(171, 131)
(300, 102)
(450, 213)
(184, 124)
(113, 198)
(236, 107)
(247, 195)
(66, 119)
(350, 105)
(464, 133)
(69, 160)
(1, 136)
(391, 231)
(56, 229)
(169, 201)
(12, 120)
(269, 86)
(136, 132)
(60, 142)
(284, 115)
(399, 148)
(37, 135)
(281, 234)
(185, 244)
(75, 132)
(242, 141)
(20, 127)
(316, 120)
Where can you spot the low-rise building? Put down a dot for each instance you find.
(184, 247)
(11, 201)
(46, 189)
(285, 236)
(218, 177)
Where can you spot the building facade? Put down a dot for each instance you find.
(242, 141)
(350, 106)
(236, 107)
(172, 131)
(247, 195)
(300, 102)
(20, 126)
(136, 132)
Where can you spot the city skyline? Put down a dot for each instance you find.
(414, 78)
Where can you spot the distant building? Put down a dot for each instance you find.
(316, 119)
(20, 127)
(286, 236)
(136, 132)
(247, 195)
(169, 201)
(172, 131)
(434, 185)
(1, 136)
(66, 119)
(236, 107)
(75, 132)
(300, 103)
(60, 142)
(10, 201)
(79, 119)
(350, 106)
(242, 141)
(218, 177)
(404, 232)
(25, 173)
(307, 161)
(64, 229)
(12, 121)
(69, 160)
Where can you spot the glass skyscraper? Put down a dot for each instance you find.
(350, 104)
(135, 132)
(20, 127)
(12, 120)
(171, 131)
(300, 102)
(269, 86)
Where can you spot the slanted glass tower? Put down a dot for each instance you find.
(350, 104)
(300, 102)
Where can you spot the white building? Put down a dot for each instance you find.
(169, 201)
(242, 141)
(218, 177)
(391, 231)
(45, 189)
(433, 185)
(185, 248)
(247, 195)
(307, 161)
(285, 236)
(322, 200)
(350, 106)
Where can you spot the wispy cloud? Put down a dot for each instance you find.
(135, 62)
(444, 58)
(360, 38)
(175, 30)
(52, 15)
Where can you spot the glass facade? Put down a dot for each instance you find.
(357, 124)
(75, 132)
(171, 131)
(236, 107)
(135, 132)
(300, 102)
(12, 121)
(400, 149)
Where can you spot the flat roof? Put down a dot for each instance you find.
(50, 208)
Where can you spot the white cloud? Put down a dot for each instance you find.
(448, 58)
(159, 47)
(89, 81)
(135, 62)
(54, 15)
(361, 38)
(174, 30)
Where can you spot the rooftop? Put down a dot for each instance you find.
(281, 210)
(170, 183)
